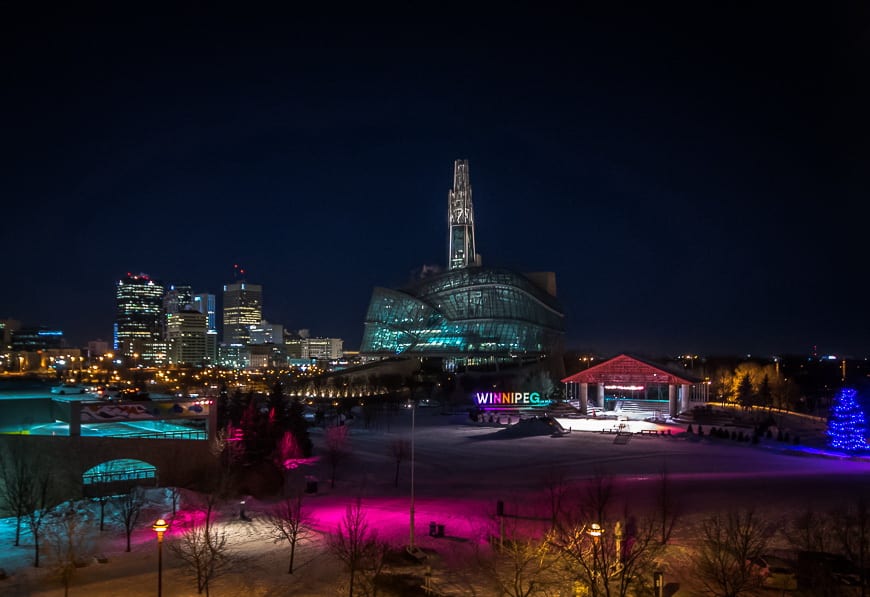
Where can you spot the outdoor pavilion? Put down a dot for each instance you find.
(639, 378)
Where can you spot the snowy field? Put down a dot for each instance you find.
(461, 470)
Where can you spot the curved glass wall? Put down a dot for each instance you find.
(469, 310)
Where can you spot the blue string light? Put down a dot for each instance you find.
(846, 426)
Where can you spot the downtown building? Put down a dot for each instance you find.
(303, 347)
(206, 304)
(139, 321)
(187, 336)
(242, 310)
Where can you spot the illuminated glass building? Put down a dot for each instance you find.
(205, 303)
(468, 313)
(139, 318)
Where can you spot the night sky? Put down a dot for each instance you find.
(697, 180)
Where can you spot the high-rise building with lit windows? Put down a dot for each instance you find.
(177, 298)
(205, 303)
(139, 319)
(243, 308)
(187, 334)
(267, 333)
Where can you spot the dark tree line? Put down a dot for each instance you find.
(263, 428)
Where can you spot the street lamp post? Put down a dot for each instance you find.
(160, 527)
(659, 583)
(595, 531)
(413, 425)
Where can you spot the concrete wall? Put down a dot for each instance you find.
(181, 463)
(24, 412)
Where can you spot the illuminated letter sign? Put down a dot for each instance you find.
(509, 399)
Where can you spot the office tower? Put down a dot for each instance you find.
(302, 346)
(177, 298)
(205, 303)
(138, 319)
(7, 327)
(37, 338)
(187, 334)
(267, 333)
(97, 348)
(243, 308)
(462, 252)
(323, 348)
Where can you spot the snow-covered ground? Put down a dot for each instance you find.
(461, 469)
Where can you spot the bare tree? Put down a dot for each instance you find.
(358, 547)
(612, 558)
(68, 542)
(609, 555)
(126, 511)
(288, 523)
(520, 566)
(597, 498)
(337, 449)
(101, 476)
(16, 484)
(557, 488)
(810, 531)
(203, 550)
(399, 450)
(39, 503)
(174, 498)
(729, 545)
(851, 526)
(667, 508)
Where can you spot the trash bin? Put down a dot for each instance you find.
(439, 531)
(433, 528)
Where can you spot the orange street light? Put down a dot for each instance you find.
(160, 527)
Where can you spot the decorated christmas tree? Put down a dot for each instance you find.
(846, 425)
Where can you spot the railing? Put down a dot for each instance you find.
(194, 435)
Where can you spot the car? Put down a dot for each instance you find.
(776, 572)
(69, 388)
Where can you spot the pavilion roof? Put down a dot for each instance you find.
(625, 369)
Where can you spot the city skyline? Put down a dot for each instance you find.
(695, 181)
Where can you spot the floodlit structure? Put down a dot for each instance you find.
(644, 385)
(469, 312)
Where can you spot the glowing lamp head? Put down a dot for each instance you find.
(160, 527)
(595, 530)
